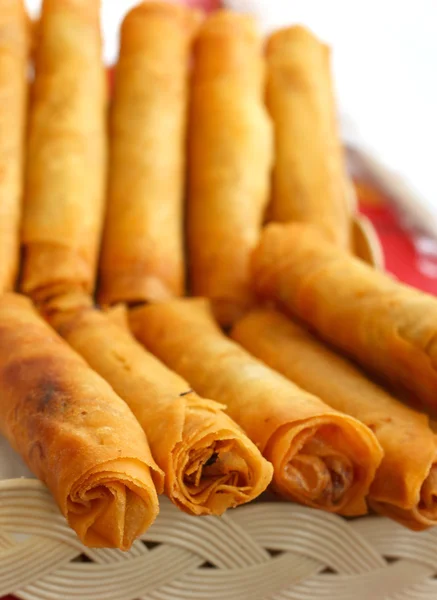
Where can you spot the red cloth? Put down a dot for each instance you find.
(401, 254)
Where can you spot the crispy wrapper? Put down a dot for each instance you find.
(309, 179)
(229, 160)
(405, 485)
(142, 256)
(63, 209)
(74, 432)
(385, 325)
(209, 463)
(14, 51)
(321, 457)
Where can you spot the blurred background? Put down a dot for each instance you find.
(385, 68)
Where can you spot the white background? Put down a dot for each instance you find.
(385, 65)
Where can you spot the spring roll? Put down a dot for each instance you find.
(321, 458)
(74, 432)
(309, 179)
(230, 154)
(405, 485)
(385, 325)
(14, 50)
(63, 209)
(142, 257)
(209, 463)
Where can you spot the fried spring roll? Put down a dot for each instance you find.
(142, 257)
(66, 167)
(385, 325)
(209, 463)
(230, 154)
(321, 457)
(74, 432)
(14, 50)
(309, 179)
(405, 485)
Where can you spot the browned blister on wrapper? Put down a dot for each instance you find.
(209, 463)
(74, 432)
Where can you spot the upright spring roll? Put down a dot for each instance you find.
(66, 167)
(385, 325)
(209, 463)
(14, 50)
(142, 257)
(230, 154)
(405, 485)
(320, 457)
(74, 432)
(309, 179)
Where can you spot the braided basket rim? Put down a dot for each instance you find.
(263, 550)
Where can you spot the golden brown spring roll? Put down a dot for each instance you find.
(209, 463)
(14, 50)
(309, 179)
(74, 432)
(63, 209)
(230, 154)
(142, 257)
(320, 457)
(385, 325)
(405, 485)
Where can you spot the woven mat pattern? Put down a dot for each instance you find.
(277, 551)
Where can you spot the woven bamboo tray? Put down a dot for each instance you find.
(266, 550)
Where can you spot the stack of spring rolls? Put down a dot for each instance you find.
(225, 180)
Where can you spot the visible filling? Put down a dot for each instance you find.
(217, 465)
(214, 475)
(313, 466)
(319, 474)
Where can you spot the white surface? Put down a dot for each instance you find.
(385, 64)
